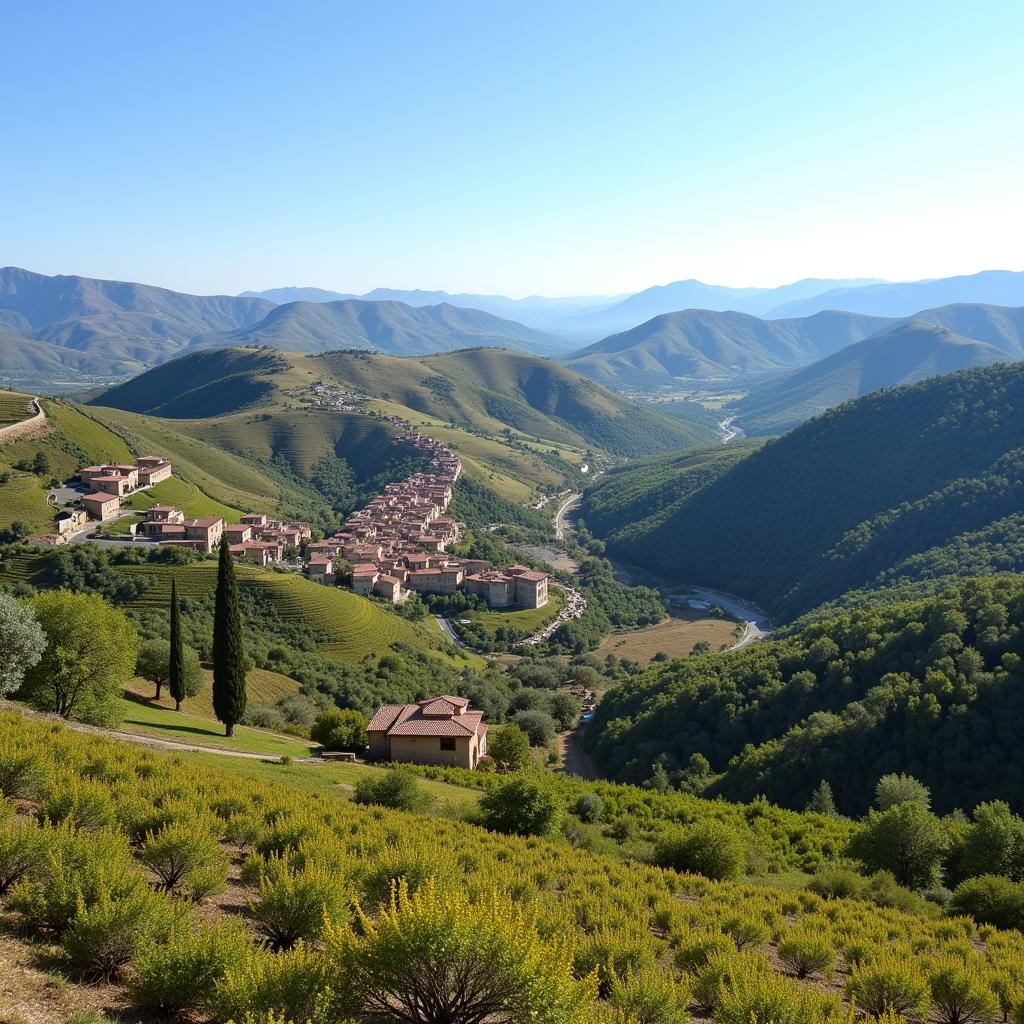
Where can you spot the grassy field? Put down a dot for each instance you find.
(333, 779)
(527, 620)
(674, 636)
(14, 407)
(149, 719)
(184, 495)
(264, 688)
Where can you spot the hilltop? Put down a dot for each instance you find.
(909, 352)
(904, 486)
(485, 390)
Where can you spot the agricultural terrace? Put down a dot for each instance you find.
(633, 934)
(14, 407)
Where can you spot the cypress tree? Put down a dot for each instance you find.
(176, 666)
(228, 648)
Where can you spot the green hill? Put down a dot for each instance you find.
(699, 343)
(487, 390)
(932, 688)
(909, 352)
(880, 492)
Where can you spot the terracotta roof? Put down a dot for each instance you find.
(412, 719)
(100, 496)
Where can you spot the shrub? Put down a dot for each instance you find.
(20, 848)
(806, 952)
(539, 727)
(961, 992)
(888, 983)
(75, 869)
(181, 973)
(188, 855)
(509, 748)
(710, 848)
(721, 970)
(694, 949)
(80, 802)
(466, 960)
(746, 930)
(396, 788)
(764, 996)
(288, 983)
(651, 997)
(23, 773)
(293, 905)
(837, 884)
(524, 805)
(103, 935)
(611, 953)
(589, 807)
(990, 899)
(340, 730)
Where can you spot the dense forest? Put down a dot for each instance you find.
(901, 486)
(934, 688)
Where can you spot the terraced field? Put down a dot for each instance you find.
(355, 626)
(13, 407)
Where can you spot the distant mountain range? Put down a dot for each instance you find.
(384, 326)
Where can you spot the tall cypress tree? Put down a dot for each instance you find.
(176, 667)
(228, 648)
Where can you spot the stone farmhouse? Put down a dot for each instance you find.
(259, 540)
(398, 540)
(440, 730)
(117, 480)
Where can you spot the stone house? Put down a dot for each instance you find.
(439, 730)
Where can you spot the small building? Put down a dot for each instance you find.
(101, 506)
(320, 568)
(114, 483)
(238, 533)
(440, 580)
(152, 469)
(389, 587)
(71, 519)
(205, 533)
(253, 551)
(439, 730)
(364, 576)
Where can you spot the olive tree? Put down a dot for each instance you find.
(22, 642)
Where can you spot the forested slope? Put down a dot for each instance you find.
(933, 688)
(897, 487)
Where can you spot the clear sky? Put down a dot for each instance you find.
(553, 147)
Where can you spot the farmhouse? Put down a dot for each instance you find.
(101, 506)
(122, 479)
(320, 568)
(518, 586)
(440, 730)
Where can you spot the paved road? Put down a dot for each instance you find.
(758, 626)
(446, 628)
(569, 502)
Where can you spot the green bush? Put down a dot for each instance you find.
(293, 905)
(710, 848)
(694, 949)
(181, 973)
(990, 899)
(762, 996)
(23, 773)
(509, 748)
(186, 856)
(80, 802)
(907, 839)
(464, 960)
(807, 952)
(721, 970)
(888, 984)
(651, 997)
(103, 935)
(524, 805)
(837, 883)
(395, 788)
(288, 983)
(746, 930)
(20, 849)
(589, 807)
(961, 992)
(340, 730)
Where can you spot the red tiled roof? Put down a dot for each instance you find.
(413, 719)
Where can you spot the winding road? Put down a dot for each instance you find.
(729, 432)
(758, 626)
(571, 502)
(15, 430)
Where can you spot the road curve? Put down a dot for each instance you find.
(569, 502)
(15, 430)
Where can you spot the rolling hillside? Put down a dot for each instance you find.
(486, 390)
(704, 344)
(391, 327)
(905, 354)
(892, 489)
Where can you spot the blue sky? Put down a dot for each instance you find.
(554, 148)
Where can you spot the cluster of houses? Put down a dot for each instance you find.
(113, 481)
(255, 538)
(397, 542)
